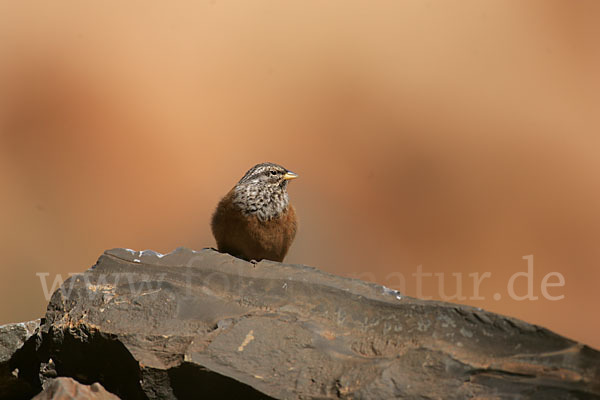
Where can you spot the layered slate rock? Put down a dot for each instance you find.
(191, 324)
(17, 350)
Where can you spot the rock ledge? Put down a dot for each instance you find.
(189, 324)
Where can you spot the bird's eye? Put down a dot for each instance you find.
(273, 173)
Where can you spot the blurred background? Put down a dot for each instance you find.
(458, 136)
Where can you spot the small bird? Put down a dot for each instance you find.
(255, 220)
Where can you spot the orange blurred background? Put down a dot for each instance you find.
(456, 136)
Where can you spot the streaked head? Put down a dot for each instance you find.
(263, 190)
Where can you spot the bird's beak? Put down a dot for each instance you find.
(289, 175)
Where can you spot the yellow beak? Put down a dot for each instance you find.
(290, 175)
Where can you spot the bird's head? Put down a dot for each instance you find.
(267, 174)
(262, 190)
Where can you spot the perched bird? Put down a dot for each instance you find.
(255, 220)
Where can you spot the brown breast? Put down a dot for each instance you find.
(247, 237)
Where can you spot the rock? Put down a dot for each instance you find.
(203, 324)
(70, 389)
(13, 348)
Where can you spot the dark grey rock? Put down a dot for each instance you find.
(204, 324)
(14, 339)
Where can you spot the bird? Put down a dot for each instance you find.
(255, 220)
